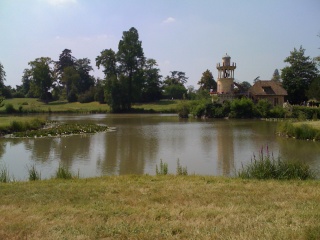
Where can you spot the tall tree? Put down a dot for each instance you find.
(314, 89)
(131, 60)
(151, 90)
(2, 75)
(83, 68)
(276, 76)
(65, 60)
(42, 77)
(207, 82)
(297, 77)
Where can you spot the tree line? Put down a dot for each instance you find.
(130, 77)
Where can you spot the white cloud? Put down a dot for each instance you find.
(61, 2)
(169, 20)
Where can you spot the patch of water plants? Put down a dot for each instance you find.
(55, 129)
(266, 166)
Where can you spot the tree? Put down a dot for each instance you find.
(70, 79)
(26, 82)
(65, 60)
(131, 60)
(151, 90)
(297, 77)
(42, 77)
(2, 76)
(83, 68)
(314, 89)
(174, 85)
(276, 76)
(207, 82)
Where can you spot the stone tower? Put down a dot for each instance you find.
(226, 76)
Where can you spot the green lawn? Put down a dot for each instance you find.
(32, 105)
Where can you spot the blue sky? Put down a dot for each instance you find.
(184, 35)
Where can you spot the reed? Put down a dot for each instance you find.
(34, 174)
(163, 168)
(63, 173)
(4, 174)
(181, 170)
(266, 166)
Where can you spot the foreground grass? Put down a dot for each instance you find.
(160, 207)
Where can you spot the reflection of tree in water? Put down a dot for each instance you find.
(129, 148)
(11, 141)
(64, 149)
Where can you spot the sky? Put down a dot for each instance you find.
(181, 35)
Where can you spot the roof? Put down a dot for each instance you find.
(267, 87)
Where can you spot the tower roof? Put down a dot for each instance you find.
(226, 56)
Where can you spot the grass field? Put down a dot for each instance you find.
(160, 207)
(32, 105)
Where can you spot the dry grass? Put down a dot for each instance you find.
(160, 207)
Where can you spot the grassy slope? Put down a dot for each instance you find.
(160, 207)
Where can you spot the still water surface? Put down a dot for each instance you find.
(206, 147)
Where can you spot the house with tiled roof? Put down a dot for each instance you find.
(268, 90)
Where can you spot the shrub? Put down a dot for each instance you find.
(263, 108)
(267, 167)
(278, 112)
(9, 108)
(242, 108)
(183, 109)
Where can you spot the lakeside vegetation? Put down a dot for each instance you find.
(160, 207)
(306, 130)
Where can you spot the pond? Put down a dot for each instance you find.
(140, 141)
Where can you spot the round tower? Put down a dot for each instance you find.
(225, 75)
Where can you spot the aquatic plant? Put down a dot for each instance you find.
(63, 173)
(34, 174)
(268, 167)
(181, 170)
(4, 174)
(163, 169)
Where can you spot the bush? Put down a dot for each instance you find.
(242, 108)
(72, 96)
(267, 167)
(9, 108)
(183, 109)
(263, 108)
(278, 112)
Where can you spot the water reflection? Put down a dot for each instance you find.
(208, 147)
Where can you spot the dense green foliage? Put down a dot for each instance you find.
(173, 85)
(268, 167)
(129, 76)
(298, 76)
(207, 82)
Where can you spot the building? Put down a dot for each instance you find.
(268, 90)
(225, 81)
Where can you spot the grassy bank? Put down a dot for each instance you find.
(18, 124)
(306, 130)
(32, 105)
(160, 207)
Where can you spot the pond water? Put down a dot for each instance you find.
(140, 141)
